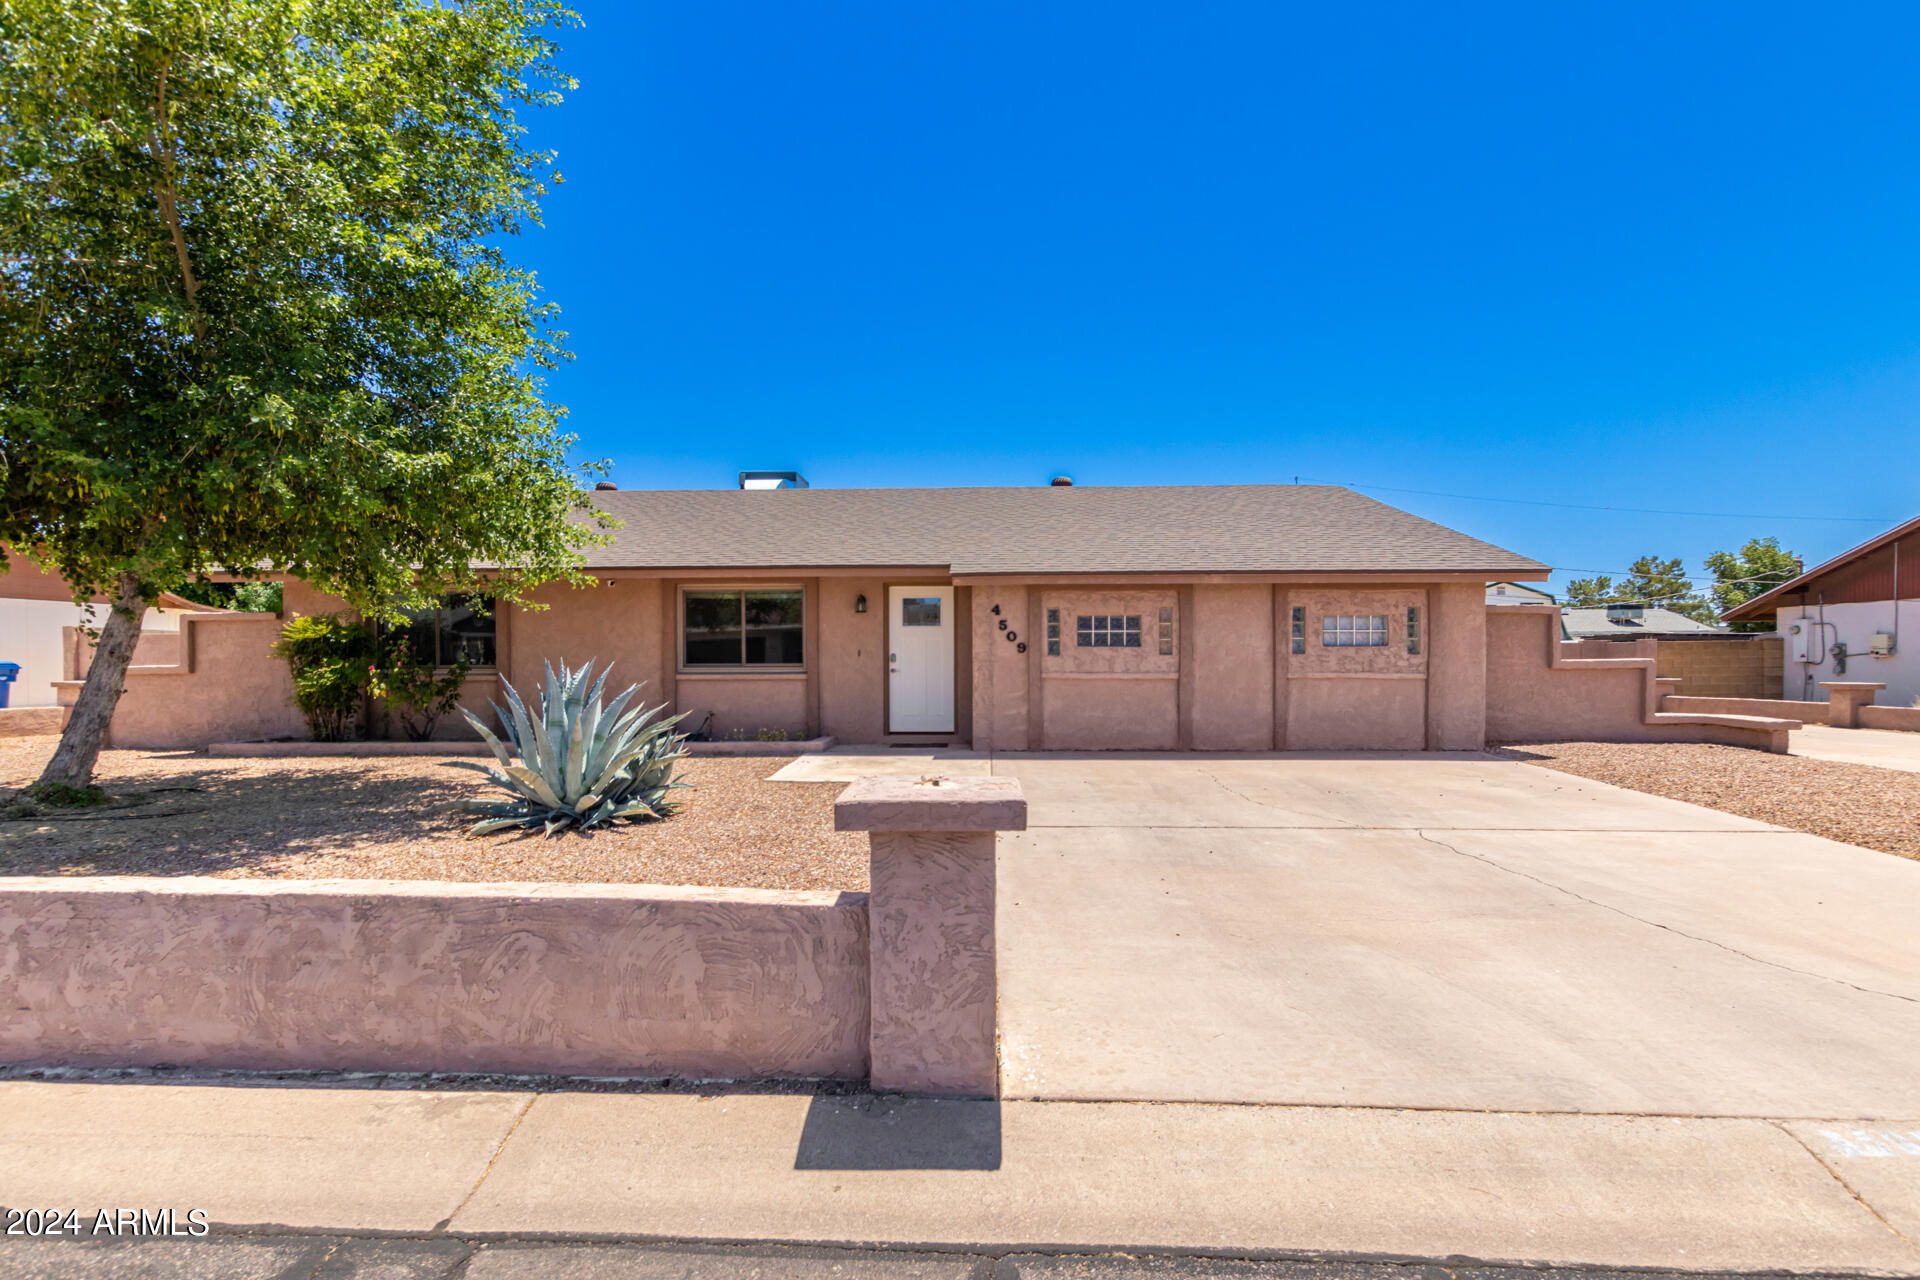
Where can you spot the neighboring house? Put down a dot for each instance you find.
(36, 607)
(1515, 593)
(1223, 618)
(1632, 622)
(1842, 619)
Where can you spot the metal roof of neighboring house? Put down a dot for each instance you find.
(1654, 621)
(1769, 601)
(1042, 530)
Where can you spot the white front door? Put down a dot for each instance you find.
(920, 626)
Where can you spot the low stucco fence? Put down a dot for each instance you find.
(615, 980)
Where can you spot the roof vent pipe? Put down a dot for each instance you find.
(1063, 482)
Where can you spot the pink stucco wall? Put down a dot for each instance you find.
(1233, 668)
(1356, 713)
(1456, 624)
(1001, 674)
(1528, 700)
(1231, 682)
(228, 686)
(1111, 713)
(415, 976)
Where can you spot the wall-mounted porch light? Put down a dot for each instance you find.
(860, 604)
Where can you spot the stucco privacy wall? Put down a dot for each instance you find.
(1538, 692)
(226, 685)
(415, 976)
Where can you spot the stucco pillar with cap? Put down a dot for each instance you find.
(930, 910)
(1845, 698)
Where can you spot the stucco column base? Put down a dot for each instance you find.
(1845, 698)
(934, 1026)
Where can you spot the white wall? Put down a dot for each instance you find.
(1853, 625)
(30, 635)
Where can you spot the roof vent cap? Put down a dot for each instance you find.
(606, 486)
(772, 480)
(1063, 482)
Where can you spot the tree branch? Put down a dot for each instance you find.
(162, 148)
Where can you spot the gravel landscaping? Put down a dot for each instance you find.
(181, 813)
(1855, 803)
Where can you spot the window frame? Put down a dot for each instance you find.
(1085, 633)
(492, 610)
(1330, 625)
(743, 667)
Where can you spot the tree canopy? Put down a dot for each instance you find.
(1755, 569)
(1651, 580)
(256, 312)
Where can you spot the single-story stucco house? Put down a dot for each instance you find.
(1056, 617)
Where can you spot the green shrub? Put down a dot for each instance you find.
(413, 688)
(581, 764)
(332, 658)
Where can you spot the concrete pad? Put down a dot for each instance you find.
(346, 1159)
(1885, 748)
(1878, 1162)
(1623, 1191)
(1798, 901)
(1352, 789)
(844, 764)
(1383, 968)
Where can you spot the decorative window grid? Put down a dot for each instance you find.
(1299, 628)
(1053, 633)
(1353, 630)
(1413, 628)
(1166, 631)
(1108, 631)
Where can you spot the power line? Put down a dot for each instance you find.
(1579, 506)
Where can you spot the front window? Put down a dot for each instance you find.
(1108, 631)
(742, 628)
(459, 629)
(1353, 630)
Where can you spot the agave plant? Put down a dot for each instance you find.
(581, 765)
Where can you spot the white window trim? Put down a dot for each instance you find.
(681, 666)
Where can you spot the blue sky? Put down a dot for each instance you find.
(1655, 256)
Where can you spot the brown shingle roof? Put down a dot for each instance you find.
(1042, 530)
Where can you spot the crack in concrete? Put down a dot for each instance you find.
(1619, 911)
(1846, 1186)
(1215, 780)
(447, 1222)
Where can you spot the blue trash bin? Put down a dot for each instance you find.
(9, 672)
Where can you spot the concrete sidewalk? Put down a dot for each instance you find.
(1584, 1190)
(1884, 748)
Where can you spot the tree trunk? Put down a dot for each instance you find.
(86, 731)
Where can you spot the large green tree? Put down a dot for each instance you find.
(255, 310)
(1652, 580)
(1755, 569)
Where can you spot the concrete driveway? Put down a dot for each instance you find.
(1452, 932)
